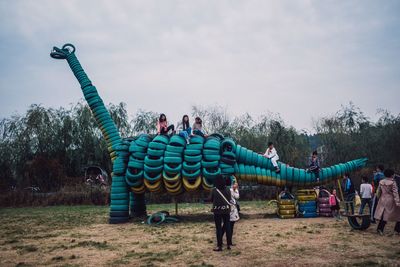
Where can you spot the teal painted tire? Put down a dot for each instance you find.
(168, 154)
(161, 139)
(153, 162)
(136, 164)
(212, 157)
(118, 184)
(119, 190)
(173, 160)
(191, 167)
(189, 174)
(177, 140)
(142, 142)
(210, 152)
(212, 144)
(197, 139)
(228, 145)
(119, 196)
(194, 147)
(138, 155)
(193, 159)
(175, 149)
(157, 145)
(155, 153)
(192, 152)
(119, 207)
(134, 176)
(152, 177)
(171, 169)
(152, 169)
(211, 172)
(209, 164)
(136, 148)
(119, 202)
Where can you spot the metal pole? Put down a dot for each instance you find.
(340, 188)
(176, 207)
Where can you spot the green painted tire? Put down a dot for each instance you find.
(136, 164)
(152, 177)
(211, 173)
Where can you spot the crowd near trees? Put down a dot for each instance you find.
(45, 146)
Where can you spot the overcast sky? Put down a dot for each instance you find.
(302, 59)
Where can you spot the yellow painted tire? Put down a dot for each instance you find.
(207, 184)
(171, 179)
(286, 202)
(287, 207)
(306, 192)
(307, 198)
(138, 190)
(286, 216)
(286, 212)
(175, 190)
(191, 187)
(152, 186)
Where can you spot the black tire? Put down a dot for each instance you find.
(356, 225)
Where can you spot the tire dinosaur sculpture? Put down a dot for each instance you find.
(162, 163)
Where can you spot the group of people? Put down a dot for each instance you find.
(183, 127)
(381, 196)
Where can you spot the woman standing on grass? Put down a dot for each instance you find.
(221, 209)
(388, 208)
(234, 214)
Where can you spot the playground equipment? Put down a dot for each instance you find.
(286, 205)
(160, 163)
(324, 208)
(307, 203)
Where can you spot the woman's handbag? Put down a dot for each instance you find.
(234, 214)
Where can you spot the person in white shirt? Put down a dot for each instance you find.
(366, 194)
(234, 215)
(272, 155)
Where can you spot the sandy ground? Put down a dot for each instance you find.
(80, 236)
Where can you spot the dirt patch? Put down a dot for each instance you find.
(40, 236)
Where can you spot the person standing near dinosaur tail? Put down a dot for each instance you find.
(378, 176)
(388, 208)
(272, 155)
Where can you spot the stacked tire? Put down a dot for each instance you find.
(154, 163)
(286, 206)
(228, 157)
(324, 208)
(135, 171)
(173, 161)
(210, 161)
(119, 196)
(307, 203)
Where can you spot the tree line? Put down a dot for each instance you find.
(45, 147)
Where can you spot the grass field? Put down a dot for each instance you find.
(80, 236)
